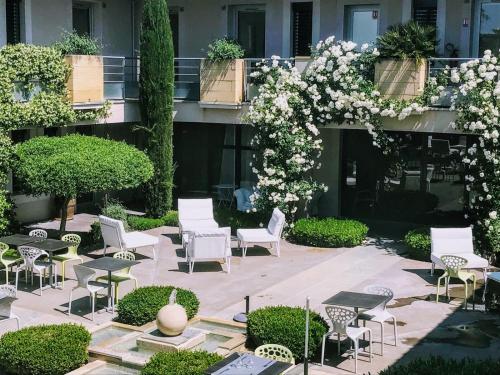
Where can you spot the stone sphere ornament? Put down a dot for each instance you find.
(172, 318)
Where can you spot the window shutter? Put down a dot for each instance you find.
(13, 13)
(301, 28)
(425, 12)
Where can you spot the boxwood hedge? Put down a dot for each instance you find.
(328, 232)
(142, 305)
(180, 363)
(285, 325)
(170, 219)
(442, 366)
(419, 243)
(44, 350)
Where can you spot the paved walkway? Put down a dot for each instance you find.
(424, 326)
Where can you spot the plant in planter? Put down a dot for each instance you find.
(86, 81)
(404, 49)
(222, 73)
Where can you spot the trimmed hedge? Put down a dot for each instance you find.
(44, 350)
(285, 325)
(180, 363)
(328, 232)
(171, 219)
(419, 243)
(142, 305)
(442, 366)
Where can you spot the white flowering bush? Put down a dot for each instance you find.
(337, 88)
(476, 101)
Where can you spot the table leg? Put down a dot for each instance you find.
(110, 308)
(50, 270)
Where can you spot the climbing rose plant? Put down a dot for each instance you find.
(337, 87)
(476, 101)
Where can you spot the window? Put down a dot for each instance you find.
(302, 14)
(487, 26)
(174, 26)
(248, 26)
(82, 18)
(361, 23)
(13, 22)
(425, 12)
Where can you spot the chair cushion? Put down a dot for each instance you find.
(276, 223)
(195, 209)
(255, 235)
(194, 225)
(473, 260)
(454, 241)
(135, 240)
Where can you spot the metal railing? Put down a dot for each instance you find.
(251, 87)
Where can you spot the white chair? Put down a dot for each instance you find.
(114, 235)
(341, 319)
(6, 304)
(38, 233)
(456, 241)
(209, 244)
(83, 277)
(271, 234)
(195, 214)
(380, 314)
(31, 263)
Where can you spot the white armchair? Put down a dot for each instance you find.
(271, 234)
(455, 241)
(209, 244)
(114, 235)
(196, 214)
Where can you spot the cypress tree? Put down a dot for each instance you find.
(156, 86)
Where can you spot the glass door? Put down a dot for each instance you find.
(249, 29)
(82, 18)
(362, 23)
(487, 27)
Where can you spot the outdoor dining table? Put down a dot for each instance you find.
(248, 364)
(16, 240)
(51, 246)
(110, 265)
(356, 300)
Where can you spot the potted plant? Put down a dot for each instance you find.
(222, 72)
(401, 72)
(86, 81)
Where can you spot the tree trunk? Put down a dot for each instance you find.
(64, 214)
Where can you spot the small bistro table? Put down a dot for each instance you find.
(111, 265)
(259, 366)
(16, 240)
(356, 300)
(51, 246)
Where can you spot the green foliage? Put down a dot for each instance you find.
(145, 223)
(142, 305)
(7, 216)
(44, 350)
(76, 164)
(156, 85)
(443, 366)
(284, 325)
(409, 41)
(40, 75)
(115, 210)
(8, 222)
(419, 243)
(180, 363)
(227, 217)
(328, 232)
(72, 43)
(224, 49)
(95, 232)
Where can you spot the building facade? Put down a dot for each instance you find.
(212, 144)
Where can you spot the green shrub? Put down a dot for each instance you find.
(227, 217)
(46, 349)
(442, 366)
(419, 243)
(142, 305)
(409, 41)
(328, 232)
(180, 363)
(285, 326)
(144, 223)
(75, 44)
(115, 210)
(95, 232)
(224, 49)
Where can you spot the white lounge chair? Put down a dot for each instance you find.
(209, 244)
(114, 235)
(196, 214)
(271, 234)
(455, 241)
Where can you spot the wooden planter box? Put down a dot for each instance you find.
(400, 79)
(222, 82)
(70, 212)
(86, 81)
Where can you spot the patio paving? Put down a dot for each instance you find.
(424, 326)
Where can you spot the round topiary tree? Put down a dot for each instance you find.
(44, 350)
(75, 164)
(181, 363)
(284, 325)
